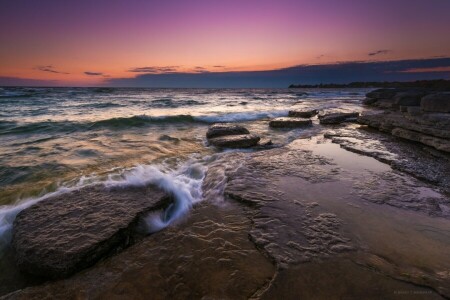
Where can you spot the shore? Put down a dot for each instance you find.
(351, 210)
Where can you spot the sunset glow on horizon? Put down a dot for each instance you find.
(86, 42)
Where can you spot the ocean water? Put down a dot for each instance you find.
(53, 140)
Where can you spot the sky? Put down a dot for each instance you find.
(204, 42)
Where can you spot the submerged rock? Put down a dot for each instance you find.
(337, 118)
(66, 233)
(223, 129)
(289, 122)
(303, 113)
(235, 141)
(439, 102)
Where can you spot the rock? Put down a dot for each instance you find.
(438, 102)
(413, 110)
(303, 113)
(289, 122)
(369, 101)
(265, 142)
(437, 143)
(437, 125)
(66, 233)
(337, 118)
(235, 141)
(408, 98)
(169, 138)
(382, 94)
(223, 129)
(404, 108)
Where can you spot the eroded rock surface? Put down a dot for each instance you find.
(64, 234)
(337, 118)
(289, 122)
(224, 129)
(303, 113)
(235, 141)
(430, 129)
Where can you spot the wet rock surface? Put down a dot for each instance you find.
(290, 222)
(224, 135)
(337, 118)
(235, 141)
(423, 164)
(64, 234)
(224, 129)
(289, 122)
(305, 113)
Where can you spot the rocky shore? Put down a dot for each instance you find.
(419, 115)
(358, 209)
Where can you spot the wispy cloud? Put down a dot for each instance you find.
(379, 52)
(218, 66)
(94, 73)
(155, 70)
(320, 56)
(50, 69)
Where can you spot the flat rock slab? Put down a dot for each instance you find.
(224, 129)
(337, 118)
(235, 141)
(439, 102)
(66, 233)
(303, 113)
(289, 122)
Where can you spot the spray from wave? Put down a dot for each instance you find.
(183, 181)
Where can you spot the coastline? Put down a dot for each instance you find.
(276, 220)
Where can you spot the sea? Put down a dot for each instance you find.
(54, 140)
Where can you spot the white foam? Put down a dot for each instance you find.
(241, 116)
(183, 182)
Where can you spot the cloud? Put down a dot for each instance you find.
(155, 70)
(343, 72)
(320, 56)
(218, 66)
(94, 73)
(17, 81)
(50, 69)
(378, 52)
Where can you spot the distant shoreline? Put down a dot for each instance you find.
(435, 84)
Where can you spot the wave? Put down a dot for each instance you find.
(10, 127)
(183, 182)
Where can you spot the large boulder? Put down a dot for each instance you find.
(289, 122)
(66, 233)
(223, 129)
(439, 102)
(303, 113)
(235, 141)
(337, 118)
(408, 98)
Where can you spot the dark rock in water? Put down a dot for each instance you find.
(235, 141)
(369, 101)
(439, 102)
(289, 122)
(265, 142)
(435, 142)
(409, 98)
(66, 233)
(169, 138)
(223, 129)
(303, 113)
(337, 118)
